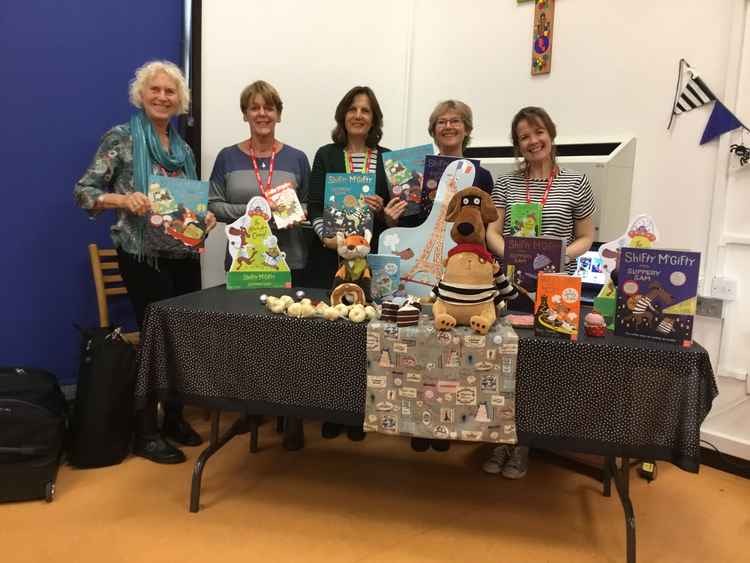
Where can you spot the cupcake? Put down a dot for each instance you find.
(594, 324)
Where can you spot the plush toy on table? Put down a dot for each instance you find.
(353, 250)
(472, 286)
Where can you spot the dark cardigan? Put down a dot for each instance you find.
(322, 263)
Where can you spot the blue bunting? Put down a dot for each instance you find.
(721, 121)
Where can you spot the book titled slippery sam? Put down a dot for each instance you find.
(657, 294)
(405, 170)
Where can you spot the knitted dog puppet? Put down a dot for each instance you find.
(472, 285)
(353, 250)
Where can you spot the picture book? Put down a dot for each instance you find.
(657, 294)
(434, 167)
(405, 169)
(257, 260)
(345, 210)
(386, 279)
(558, 306)
(525, 219)
(179, 207)
(424, 248)
(287, 208)
(525, 258)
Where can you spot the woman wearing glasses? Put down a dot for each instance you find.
(450, 126)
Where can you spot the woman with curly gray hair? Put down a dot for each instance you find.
(153, 265)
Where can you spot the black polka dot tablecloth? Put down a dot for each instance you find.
(611, 396)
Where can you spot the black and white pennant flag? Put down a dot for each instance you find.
(691, 93)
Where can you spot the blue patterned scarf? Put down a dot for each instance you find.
(147, 149)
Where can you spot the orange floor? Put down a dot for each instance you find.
(375, 501)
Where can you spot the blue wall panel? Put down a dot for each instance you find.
(66, 68)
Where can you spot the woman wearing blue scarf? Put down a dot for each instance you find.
(154, 265)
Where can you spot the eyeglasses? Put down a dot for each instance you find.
(454, 122)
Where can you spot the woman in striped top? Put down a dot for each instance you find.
(567, 212)
(565, 196)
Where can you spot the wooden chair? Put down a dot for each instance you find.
(108, 285)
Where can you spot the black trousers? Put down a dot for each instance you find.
(146, 284)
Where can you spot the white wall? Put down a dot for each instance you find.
(312, 52)
(613, 75)
(731, 227)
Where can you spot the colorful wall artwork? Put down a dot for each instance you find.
(541, 54)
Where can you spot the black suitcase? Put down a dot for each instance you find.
(32, 433)
(102, 418)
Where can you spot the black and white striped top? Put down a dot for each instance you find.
(359, 159)
(358, 163)
(474, 294)
(570, 199)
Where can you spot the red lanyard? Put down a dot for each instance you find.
(257, 172)
(350, 164)
(546, 190)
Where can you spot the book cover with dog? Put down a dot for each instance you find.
(558, 306)
(404, 169)
(345, 210)
(179, 207)
(657, 294)
(434, 167)
(525, 258)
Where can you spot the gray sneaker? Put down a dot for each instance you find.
(518, 464)
(494, 465)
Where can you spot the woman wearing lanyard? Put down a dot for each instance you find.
(450, 126)
(561, 204)
(355, 149)
(253, 166)
(153, 265)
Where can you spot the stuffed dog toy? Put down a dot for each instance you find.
(472, 285)
(353, 250)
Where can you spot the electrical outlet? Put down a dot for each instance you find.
(709, 307)
(724, 288)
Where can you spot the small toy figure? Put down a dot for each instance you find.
(273, 256)
(353, 250)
